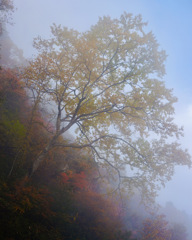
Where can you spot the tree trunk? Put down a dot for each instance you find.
(40, 157)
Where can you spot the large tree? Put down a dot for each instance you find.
(106, 85)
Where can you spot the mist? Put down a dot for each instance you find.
(170, 22)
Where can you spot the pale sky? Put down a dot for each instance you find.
(171, 23)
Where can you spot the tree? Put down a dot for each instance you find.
(12, 114)
(178, 231)
(106, 84)
(156, 229)
(22, 132)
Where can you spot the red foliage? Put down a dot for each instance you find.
(25, 198)
(78, 181)
(9, 82)
(64, 177)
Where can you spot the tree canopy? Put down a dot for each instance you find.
(106, 85)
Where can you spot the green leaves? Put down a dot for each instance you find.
(14, 129)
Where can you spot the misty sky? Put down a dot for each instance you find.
(171, 23)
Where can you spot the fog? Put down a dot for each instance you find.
(170, 21)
